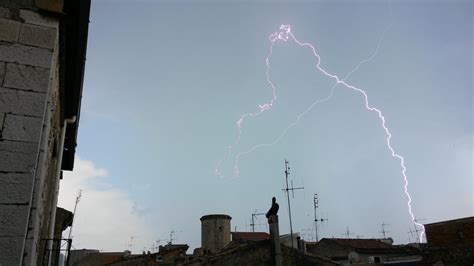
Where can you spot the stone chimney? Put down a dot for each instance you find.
(275, 238)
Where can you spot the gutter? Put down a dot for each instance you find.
(52, 220)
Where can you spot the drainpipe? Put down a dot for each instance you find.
(56, 187)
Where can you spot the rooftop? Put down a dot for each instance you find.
(249, 236)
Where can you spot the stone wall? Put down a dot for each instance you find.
(459, 232)
(215, 232)
(29, 132)
(259, 253)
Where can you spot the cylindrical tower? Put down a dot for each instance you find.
(215, 232)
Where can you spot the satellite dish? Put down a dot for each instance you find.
(127, 254)
(353, 257)
(159, 258)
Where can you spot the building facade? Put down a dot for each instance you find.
(215, 232)
(42, 52)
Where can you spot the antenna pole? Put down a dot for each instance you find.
(316, 201)
(347, 233)
(418, 239)
(316, 220)
(78, 198)
(288, 198)
(254, 215)
(253, 223)
(287, 190)
(384, 232)
(131, 243)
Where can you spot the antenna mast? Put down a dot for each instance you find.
(78, 198)
(255, 214)
(130, 246)
(316, 220)
(287, 190)
(347, 233)
(384, 232)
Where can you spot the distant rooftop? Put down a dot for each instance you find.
(249, 236)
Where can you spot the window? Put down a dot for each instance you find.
(375, 259)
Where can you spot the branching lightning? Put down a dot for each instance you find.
(285, 34)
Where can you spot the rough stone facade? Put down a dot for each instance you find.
(459, 232)
(29, 132)
(215, 232)
(258, 253)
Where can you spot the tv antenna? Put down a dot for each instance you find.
(384, 232)
(78, 198)
(130, 246)
(410, 236)
(307, 232)
(287, 190)
(254, 215)
(170, 242)
(418, 239)
(172, 236)
(347, 233)
(316, 219)
(155, 248)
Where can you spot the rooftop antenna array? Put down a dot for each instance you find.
(347, 233)
(307, 233)
(316, 219)
(130, 245)
(155, 248)
(287, 191)
(254, 216)
(171, 237)
(384, 232)
(410, 236)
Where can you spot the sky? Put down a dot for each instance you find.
(167, 81)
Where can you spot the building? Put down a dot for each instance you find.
(246, 248)
(170, 254)
(257, 253)
(42, 58)
(215, 232)
(242, 237)
(458, 232)
(450, 242)
(363, 251)
(293, 241)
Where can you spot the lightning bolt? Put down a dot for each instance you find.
(285, 34)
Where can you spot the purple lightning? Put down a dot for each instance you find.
(262, 108)
(285, 34)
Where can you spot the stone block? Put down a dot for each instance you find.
(9, 30)
(18, 147)
(5, 13)
(26, 55)
(16, 188)
(37, 19)
(37, 36)
(26, 78)
(22, 128)
(13, 161)
(13, 220)
(22, 102)
(11, 250)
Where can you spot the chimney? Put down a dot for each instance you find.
(275, 238)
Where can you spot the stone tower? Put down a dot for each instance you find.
(215, 232)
